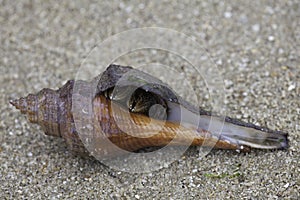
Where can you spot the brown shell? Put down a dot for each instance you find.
(52, 110)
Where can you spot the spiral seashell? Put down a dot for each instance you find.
(150, 102)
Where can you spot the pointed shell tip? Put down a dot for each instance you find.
(13, 102)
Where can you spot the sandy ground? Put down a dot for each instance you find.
(255, 45)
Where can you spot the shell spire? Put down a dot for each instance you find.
(42, 109)
(27, 105)
(52, 110)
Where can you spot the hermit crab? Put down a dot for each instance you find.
(133, 110)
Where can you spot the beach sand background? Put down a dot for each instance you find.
(255, 46)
